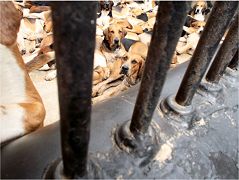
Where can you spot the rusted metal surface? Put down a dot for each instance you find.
(225, 54)
(234, 62)
(167, 30)
(215, 28)
(74, 43)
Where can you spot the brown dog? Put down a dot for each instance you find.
(21, 107)
(108, 50)
(137, 52)
(131, 71)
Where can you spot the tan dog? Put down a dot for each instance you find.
(45, 56)
(131, 71)
(194, 35)
(137, 51)
(111, 45)
(21, 107)
(107, 51)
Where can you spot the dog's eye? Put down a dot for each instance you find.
(125, 58)
(134, 61)
(112, 32)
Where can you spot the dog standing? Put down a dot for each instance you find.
(21, 107)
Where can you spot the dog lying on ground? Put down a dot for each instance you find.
(137, 52)
(107, 51)
(45, 59)
(131, 68)
(194, 33)
(21, 107)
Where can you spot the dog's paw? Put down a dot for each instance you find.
(51, 75)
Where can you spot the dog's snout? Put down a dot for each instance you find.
(116, 40)
(124, 69)
(23, 51)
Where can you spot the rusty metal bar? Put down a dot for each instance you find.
(215, 28)
(234, 62)
(225, 54)
(167, 29)
(74, 43)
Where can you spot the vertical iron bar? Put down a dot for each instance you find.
(167, 29)
(234, 62)
(74, 43)
(215, 28)
(225, 54)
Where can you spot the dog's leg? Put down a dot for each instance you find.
(183, 49)
(110, 92)
(40, 61)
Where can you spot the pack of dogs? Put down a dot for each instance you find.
(123, 34)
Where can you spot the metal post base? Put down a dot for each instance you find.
(142, 146)
(181, 115)
(212, 91)
(55, 171)
(231, 78)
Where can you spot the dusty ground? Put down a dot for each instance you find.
(49, 93)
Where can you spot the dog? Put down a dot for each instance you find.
(108, 49)
(105, 8)
(45, 59)
(131, 71)
(200, 10)
(104, 12)
(137, 50)
(21, 107)
(194, 35)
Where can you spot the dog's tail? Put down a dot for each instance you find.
(40, 61)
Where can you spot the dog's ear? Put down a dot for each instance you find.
(141, 68)
(105, 33)
(192, 11)
(206, 11)
(111, 3)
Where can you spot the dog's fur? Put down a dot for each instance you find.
(200, 10)
(21, 107)
(194, 35)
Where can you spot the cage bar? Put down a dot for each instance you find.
(225, 54)
(167, 30)
(74, 43)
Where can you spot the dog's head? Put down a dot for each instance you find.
(132, 67)
(106, 5)
(113, 36)
(201, 7)
(198, 26)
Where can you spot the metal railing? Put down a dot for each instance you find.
(74, 34)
